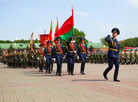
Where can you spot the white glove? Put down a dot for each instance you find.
(32, 56)
(78, 57)
(74, 51)
(44, 58)
(38, 58)
(21, 59)
(64, 57)
(73, 41)
(54, 59)
(110, 34)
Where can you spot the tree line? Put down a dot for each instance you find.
(131, 42)
(77, 35)
(19, 41)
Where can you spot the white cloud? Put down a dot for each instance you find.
(134, 3)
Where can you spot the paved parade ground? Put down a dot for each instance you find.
(29, 85)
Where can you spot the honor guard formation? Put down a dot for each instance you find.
(44, 57)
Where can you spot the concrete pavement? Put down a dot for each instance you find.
(29, 85)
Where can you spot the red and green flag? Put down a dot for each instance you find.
(67, 29)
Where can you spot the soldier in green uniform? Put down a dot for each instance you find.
(96, 57)
(102, 57)
(122, 57)
(127, 57)
(12, 59)
(31, 58)
(136, 56)
(132, 56)
(15, 58)
(19, 55)
(8, 58)
(36, 57)
(105, 57)
(92, 58)
(41, 58)
(24, 57)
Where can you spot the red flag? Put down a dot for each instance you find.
(67, 29)
(44, 39)
(31, 42)
(50, 34)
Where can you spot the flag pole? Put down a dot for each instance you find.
(72, 17)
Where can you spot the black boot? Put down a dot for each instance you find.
(116, 75)
(49, 69)
(116, 80)
(81, 71)
(105, 74)
(72, 70)
(60, 74)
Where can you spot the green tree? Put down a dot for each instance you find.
(91, 48)
(77, 35)
(102, 40)
(36, 41)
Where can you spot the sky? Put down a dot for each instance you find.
(19, 18)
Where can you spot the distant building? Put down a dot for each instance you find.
(5, 46)
(97, 46)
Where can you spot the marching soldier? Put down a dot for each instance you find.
(102, 57)
(58, 54)
(113, 54)
(105, 57)
(19, 56)
(48, 56)
(15, 59)
(132, 56)
(136, 56)
(127, 57)
(36, 58)
(92, 58)
(82, 52)
(24, 57)
(8, 58)
(41, 58)
(122, 57)
(12, 59)
(31, 58)
(71, 53)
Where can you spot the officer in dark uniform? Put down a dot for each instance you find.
(82, 52)
(113, 54)
(58, 54)
(71, 53)
(48, 56)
